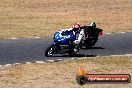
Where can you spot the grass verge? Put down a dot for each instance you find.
(62, 74)
(25, 19)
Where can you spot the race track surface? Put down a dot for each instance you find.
(24, 50)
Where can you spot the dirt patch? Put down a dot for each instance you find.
(25, 18)
(63, 73)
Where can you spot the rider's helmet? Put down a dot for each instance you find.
(92, 24)
(76, 27)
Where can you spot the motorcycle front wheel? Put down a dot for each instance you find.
(49, 51)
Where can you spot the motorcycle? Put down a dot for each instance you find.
(91, 36)
(62, 44)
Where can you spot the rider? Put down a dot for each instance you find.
(78, 32)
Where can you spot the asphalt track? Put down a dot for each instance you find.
(29, 50)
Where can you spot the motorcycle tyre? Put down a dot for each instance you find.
(92, 43)
(47, 50)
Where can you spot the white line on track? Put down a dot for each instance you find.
(1, 66)
(37, 37)
(59, 59)
(40, 62)
(16, 63)
(14, 38)
(122, 32)
(108, 33)
(122, 55)
(80, 58)
(128, 54)
(50, 60)
(7, 65)
(28, 62)
(43, 62)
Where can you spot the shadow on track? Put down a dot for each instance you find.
(76, 55)
(79, 55)
(94, 48)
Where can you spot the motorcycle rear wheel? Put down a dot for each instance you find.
(89, 44)
(94, 41)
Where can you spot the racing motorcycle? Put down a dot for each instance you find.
(91, 36)
(62, 44)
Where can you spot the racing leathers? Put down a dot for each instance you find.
(80, 35)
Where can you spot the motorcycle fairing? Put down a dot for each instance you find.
(62, 38)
